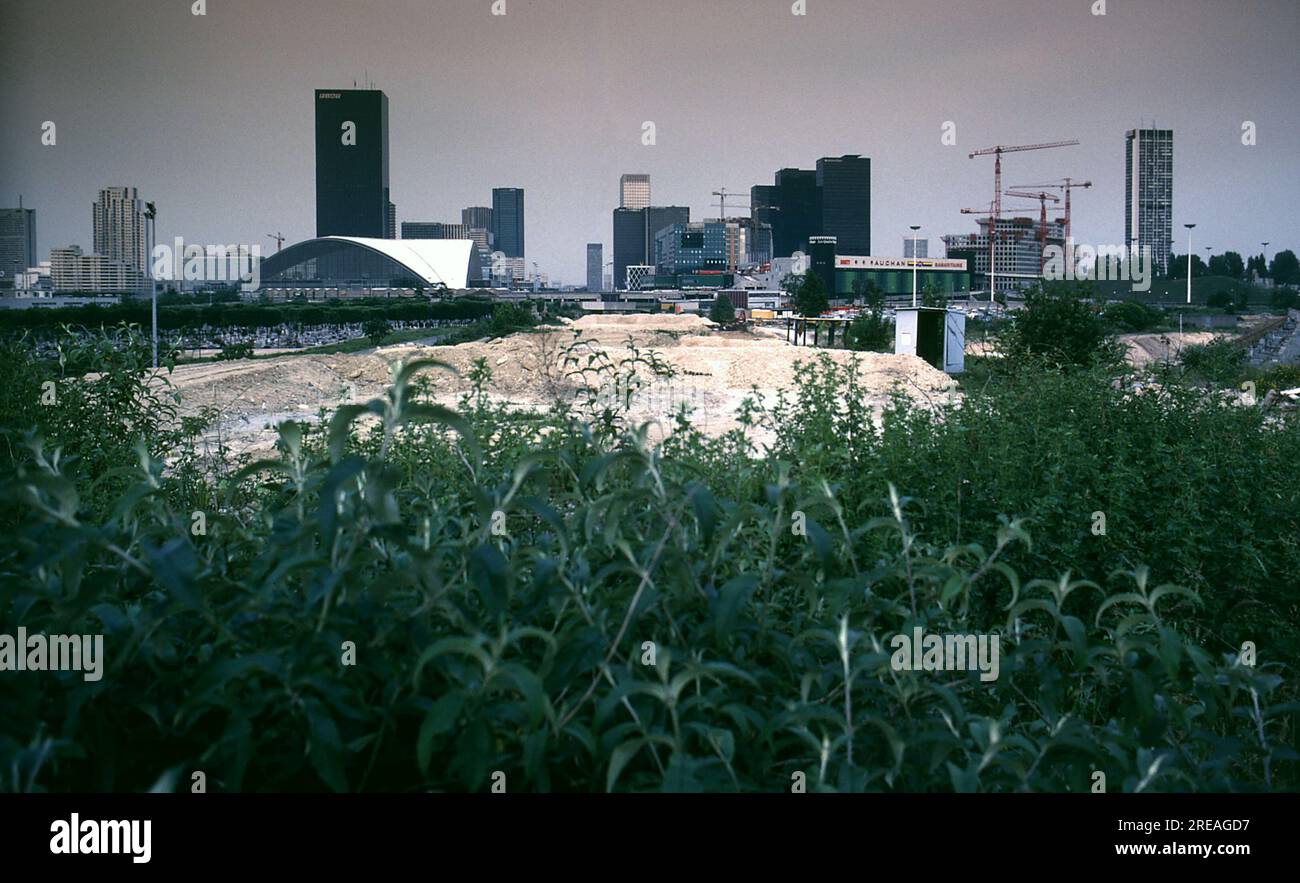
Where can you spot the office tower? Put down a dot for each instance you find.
(118, 221)
(390, 231)
(634, 235)
(476, 217)
(433, 230)
(658, 217)
(17, 240)
(634, 191)
(71, 270)
(508, 221)
(822, 253)
(792, 206)
(844, 183)
(922, 247)
(595, 266)
(352, 197)
(1149, 192)
(690, 248)
(629, 242)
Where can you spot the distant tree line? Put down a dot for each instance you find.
(1284, 269)
(246, 315)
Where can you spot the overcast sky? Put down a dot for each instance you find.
(212, 116)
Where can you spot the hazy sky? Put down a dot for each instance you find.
(212, 116)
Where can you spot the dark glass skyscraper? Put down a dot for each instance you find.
(508, 220)
(834, 200)
(792, 206)
(352, 197)
(17, 241)
(634, 235)
(845, 186)
(595, 266)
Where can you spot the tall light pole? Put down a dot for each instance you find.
(1189, 262)
(1264, 254)
(151, 215)
(914, 228)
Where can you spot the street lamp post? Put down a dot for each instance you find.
(914, 228)
(1189, 262)
(1264, 254)
(151, 215)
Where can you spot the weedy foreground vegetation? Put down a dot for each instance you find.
(551, 596)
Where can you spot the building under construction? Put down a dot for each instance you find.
(1019, 249)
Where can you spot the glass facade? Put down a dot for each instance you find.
(352, 197)
(508, 221)
(330, 263)
(845, 186)
(1149, 192)
(689, 248)
(947, 282)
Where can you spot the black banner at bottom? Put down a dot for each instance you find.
(231, 831)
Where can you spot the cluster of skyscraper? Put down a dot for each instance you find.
(832, 200)
(801, 207)
(352, 189)
(662, 242)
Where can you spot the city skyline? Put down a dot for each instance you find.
(210, 116)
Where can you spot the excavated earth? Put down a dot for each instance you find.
(714, 371)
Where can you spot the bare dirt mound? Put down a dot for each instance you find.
(1146, 348)
(707, 371)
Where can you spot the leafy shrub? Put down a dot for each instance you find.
(870, 331)
(499, 576)
(1219, 361)
(1284, 299)
(236, 350)
(1132, 315)
(376, 330)
(508, 318)
(1059, 326)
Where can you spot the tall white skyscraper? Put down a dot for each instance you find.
(119, 227)
(634, 191)
(1149, 192)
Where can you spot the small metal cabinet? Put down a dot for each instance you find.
(936, 334)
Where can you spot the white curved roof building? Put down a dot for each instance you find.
(353, 261)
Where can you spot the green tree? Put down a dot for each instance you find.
(931, 296)
(376, 330)
(1285, 270)
(1178, 266)
(808, 294)
(1236, 267)
(722, 311)
(1061, 326)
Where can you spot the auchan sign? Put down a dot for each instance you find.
(870, 263)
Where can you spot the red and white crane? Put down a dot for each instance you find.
(996, 153)
(1066, 184)
(1042, 196)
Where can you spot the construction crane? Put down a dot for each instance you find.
(721, 193)
(1066, 184)
(1042, 196)
(996, 153)
(279, 239)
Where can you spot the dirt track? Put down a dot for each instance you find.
(715, 371)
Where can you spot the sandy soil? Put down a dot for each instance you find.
(714, 372)
(1146, 348)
